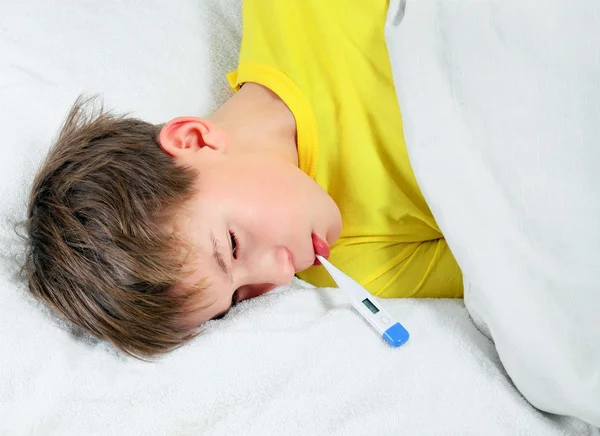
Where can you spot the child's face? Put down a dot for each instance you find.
(250, 223)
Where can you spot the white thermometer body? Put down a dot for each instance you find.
(364, 303)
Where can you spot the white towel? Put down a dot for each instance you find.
(294, 362)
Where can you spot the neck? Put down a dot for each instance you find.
(256, 118)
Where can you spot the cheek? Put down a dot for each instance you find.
(270, 207)
(267, 212)
(272, 200)
(271, 192)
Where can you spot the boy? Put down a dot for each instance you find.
(141, 233)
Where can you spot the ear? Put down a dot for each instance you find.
(183, 136)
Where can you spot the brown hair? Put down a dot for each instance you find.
(98, 254)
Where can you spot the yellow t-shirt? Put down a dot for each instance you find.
(328, 61)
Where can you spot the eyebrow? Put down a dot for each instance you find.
(218, 257)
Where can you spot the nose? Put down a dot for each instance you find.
(273, 266)
(283, 266)
(266, 272)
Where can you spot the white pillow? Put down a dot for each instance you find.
(152, 58)
(501, 110)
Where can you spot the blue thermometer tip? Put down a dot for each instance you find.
(396, 335)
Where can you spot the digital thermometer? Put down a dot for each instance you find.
(362, 300)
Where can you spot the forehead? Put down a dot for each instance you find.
(199, 226)
(209, 287)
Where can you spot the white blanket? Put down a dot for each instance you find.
(501, 106)
(295, 361)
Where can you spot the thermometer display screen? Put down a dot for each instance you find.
(370, 305)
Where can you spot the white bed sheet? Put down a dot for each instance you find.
(296, 361)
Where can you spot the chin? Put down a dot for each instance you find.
(302, 268)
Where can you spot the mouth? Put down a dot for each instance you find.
(320, 247)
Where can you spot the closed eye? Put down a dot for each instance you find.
(235, 245)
